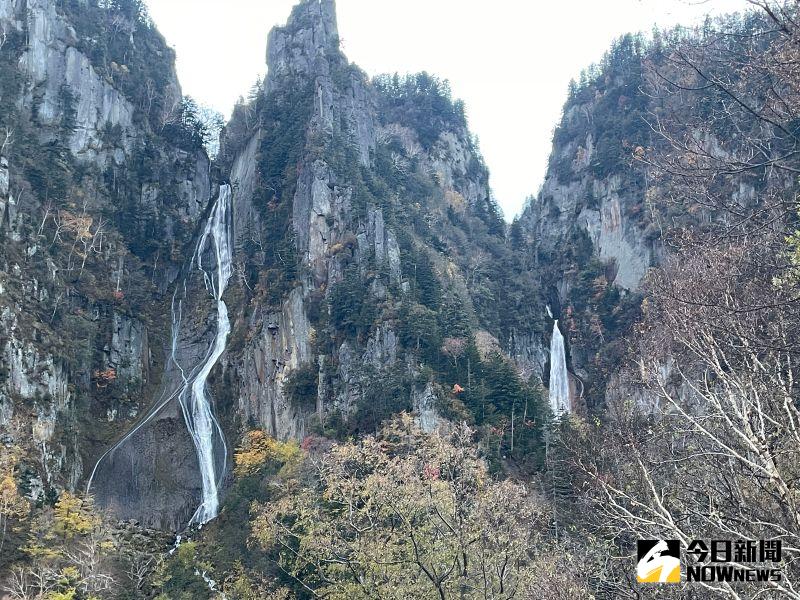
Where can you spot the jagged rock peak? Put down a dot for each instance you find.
(315, 13)
(300, 46)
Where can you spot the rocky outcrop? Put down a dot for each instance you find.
(302, 47)
(593, 231)
(424, 403)
(39, 380)
(561, 209)
(325, 230)
(529, 352)
(282, 343)
(382, 347)
(345, 218)
(153, 478)
(129, 351)
(247, 224)
(10, 218)
(308, 48)
(61, 78)
(96, 208)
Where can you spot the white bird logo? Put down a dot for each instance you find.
(655, 567)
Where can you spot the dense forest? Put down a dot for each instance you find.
(300, 354)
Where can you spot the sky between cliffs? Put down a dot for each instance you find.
(509, 60)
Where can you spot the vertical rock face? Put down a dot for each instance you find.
(343, 228)
(560, 212)
(129, 353)
(307, 49)
(365, 239)
(575, 200)
(247, 224)
(305, 54)
(592, 231)
(96, 205)
(301, 47)
(424, 404)
(58, 73)
(282, 345)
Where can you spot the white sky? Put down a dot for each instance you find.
(509, 60)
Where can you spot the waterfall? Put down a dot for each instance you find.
(193, 396)
(216, 241)
(559, 381)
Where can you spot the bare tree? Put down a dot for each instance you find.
(701, 436)
(18, 584)
(33, 582)
(139, 566)
(718, 453)
(88, 555)
(150, 95)
(7, 136)
(48, 207)
(59, 223)
(723, 113)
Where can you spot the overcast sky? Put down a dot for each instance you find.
(509, 60)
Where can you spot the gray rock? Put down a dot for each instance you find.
(301, 46)
(393, 255)
(283, 344)
(3, 177)
(552, 217)
(381, 349)
(52, 61)
(129, 352)
(247, 223)
(154, 477)
(305, 48)
(529, 353)
(424, 405)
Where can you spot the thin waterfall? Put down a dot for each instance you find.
(192, 393)
(193, 396)
(559, 380)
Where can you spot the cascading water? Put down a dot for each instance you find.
(192, 394)
(559, 380)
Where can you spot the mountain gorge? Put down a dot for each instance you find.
(323, 338)
(364, 236)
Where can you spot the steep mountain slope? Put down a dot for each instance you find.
(594, 231)
(369, 272)
(617, 197)
(366, 239)
(104, 181)
(252, 351)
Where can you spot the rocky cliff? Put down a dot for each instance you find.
(345, 207)
(371, 272)
(103, 184)
(603, 216)
(592, 232)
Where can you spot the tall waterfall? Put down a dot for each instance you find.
(216, 243)
(193, 396)
(559, 380)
